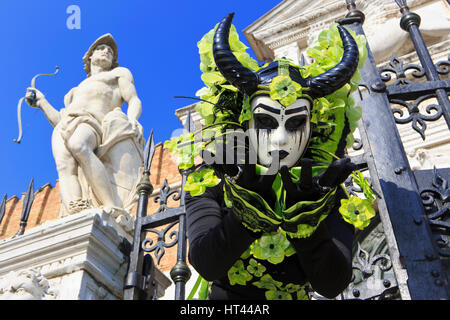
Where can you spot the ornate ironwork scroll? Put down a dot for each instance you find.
(442, 67)
(397, 67)
(373, 275)
(433, 113)
(158, 247)
(164, 195)
(411, 94)
(435, 195)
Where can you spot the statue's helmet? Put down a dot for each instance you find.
(104, 39)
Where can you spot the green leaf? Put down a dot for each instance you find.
(203, 293)
(246, 113)
(361, 181)
(212, 78)
(195, 288)
(230, 87)
(266, 282)
(238, 274)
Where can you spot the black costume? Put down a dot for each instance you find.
(217, 239)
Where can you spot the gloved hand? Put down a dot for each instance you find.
(312, 188)
(241, 180)
(241, 172)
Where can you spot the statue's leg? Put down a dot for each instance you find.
(82, 144)
(67, 167)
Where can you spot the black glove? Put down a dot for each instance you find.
(242, 172)
(312, 188)
(244, 175)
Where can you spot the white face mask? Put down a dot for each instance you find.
(277, 130)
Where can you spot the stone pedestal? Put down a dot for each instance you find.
(79, 257)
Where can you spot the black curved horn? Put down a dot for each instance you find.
(335, 78)
(229, 66)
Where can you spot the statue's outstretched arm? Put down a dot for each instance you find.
(52, 115)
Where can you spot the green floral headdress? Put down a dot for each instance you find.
(334, 118)
(223, 107)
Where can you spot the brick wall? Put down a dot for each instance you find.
(47, 203)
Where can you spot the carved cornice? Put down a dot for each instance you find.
(269, 32)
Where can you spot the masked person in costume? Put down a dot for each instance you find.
(257, 234)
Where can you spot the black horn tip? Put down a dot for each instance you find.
(228, 18)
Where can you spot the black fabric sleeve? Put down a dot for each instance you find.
(216, 236)
(326, 256)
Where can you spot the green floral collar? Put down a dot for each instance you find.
(249, 269)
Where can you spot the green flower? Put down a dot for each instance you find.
(197, 182)
(278, 295)
(256, 268)
(271, 247)
(238, 274)
(356, 211)
(267, 282)
(284, 90)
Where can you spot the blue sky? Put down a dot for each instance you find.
(157, 41)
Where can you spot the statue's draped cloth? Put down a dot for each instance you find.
(119, 148)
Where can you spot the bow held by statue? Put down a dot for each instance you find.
(30, 98)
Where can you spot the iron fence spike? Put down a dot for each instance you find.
(26, 208)
(28, 201)
(401, 3)
(2, 208)
(149, 152)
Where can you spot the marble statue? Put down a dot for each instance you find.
(96, 146)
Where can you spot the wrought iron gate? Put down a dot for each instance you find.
(414, 207)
